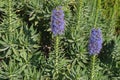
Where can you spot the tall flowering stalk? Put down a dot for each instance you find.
(94, 47)
(95, 41)
(9, 14)
(57, 27)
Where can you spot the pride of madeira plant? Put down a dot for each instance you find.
(95, 41)
(57, 26)
(28, 50)
(95, 45)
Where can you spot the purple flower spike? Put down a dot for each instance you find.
(95, 41)
(57, 21)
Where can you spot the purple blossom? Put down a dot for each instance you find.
(57, 21)
(95, 41)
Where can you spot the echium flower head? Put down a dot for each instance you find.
(95, 41)
(57, 21)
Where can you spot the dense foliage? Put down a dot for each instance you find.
(30, 51)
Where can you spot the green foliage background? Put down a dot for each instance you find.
(27, 49)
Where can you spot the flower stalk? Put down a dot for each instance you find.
(93, 57)
(9, 14)
(95, 45)
(95, 42)
(57, 53)
(57, 28)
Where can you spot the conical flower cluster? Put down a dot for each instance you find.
(57, 21)
(95, 41)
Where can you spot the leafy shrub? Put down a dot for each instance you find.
(29, 50)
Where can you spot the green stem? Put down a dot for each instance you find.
(92, 67)
(113, 17)
(114, 11)
(80, 2)
(93, 8)
(97, 11)
(9, 14)
(57, 53)
(115, 8)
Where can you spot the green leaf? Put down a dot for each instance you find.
(4, 49)
(71, 41)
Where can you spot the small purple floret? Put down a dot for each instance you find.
(95, 41)
(57, 21)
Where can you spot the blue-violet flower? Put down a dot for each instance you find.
(57, 21)
(95, 41)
